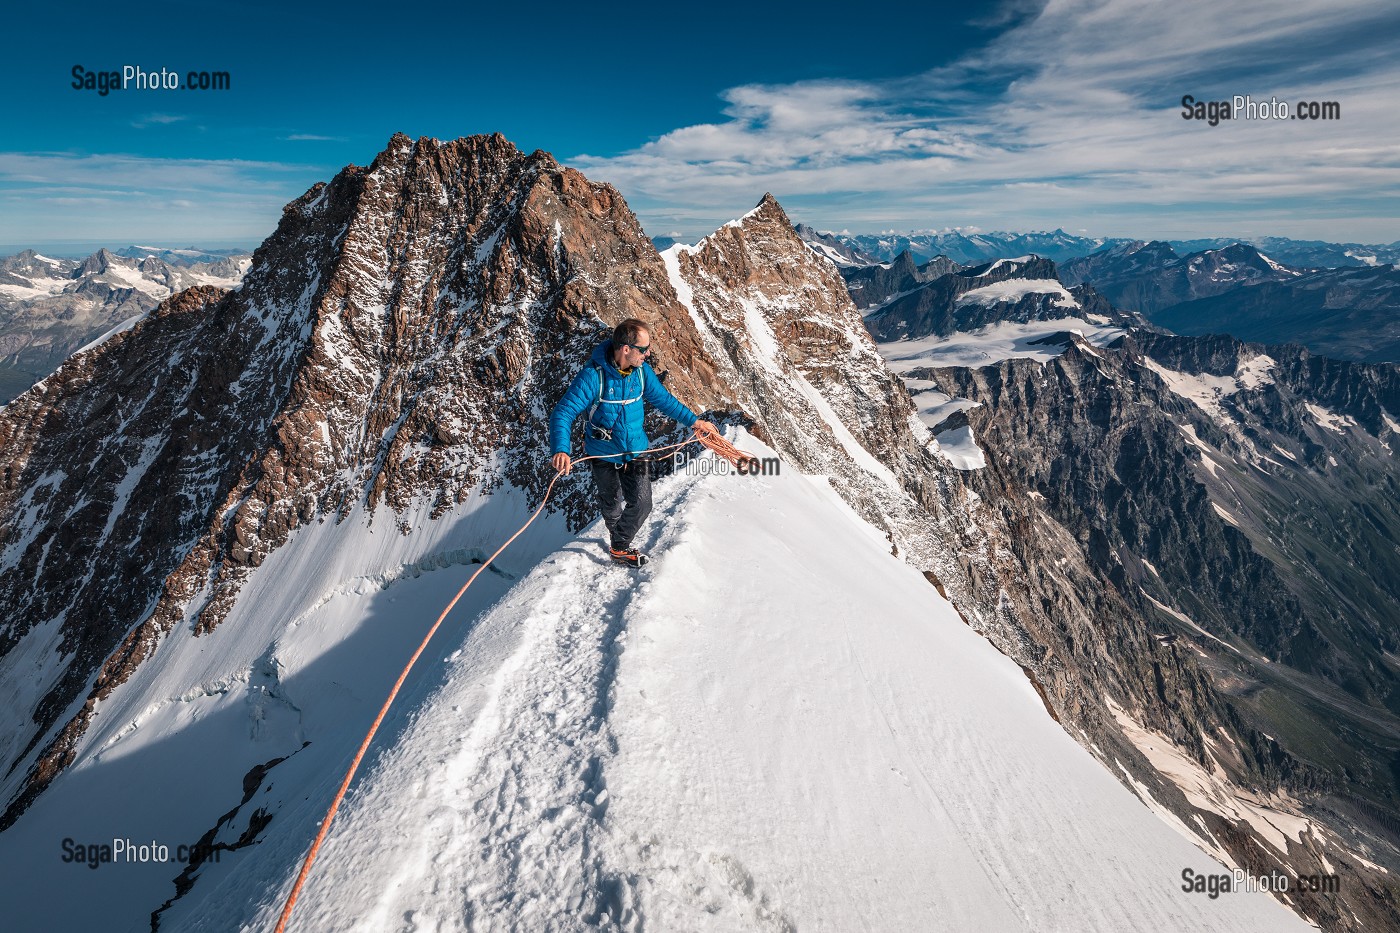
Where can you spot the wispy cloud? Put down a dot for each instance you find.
(1071, 118)
(312, 137)
(157, 119)
(123, 197)
(137, 173)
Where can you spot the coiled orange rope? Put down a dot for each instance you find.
(713, 441)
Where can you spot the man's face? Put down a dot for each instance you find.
(630, 357)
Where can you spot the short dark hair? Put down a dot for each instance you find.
(629, 331)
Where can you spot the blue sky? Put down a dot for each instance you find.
(1016, 116)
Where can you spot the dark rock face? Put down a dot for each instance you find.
(1198, 492)
(1243, 501)
(1120, 262)
(874, 285)
(1007, 290)
(1150, 277)
(1348, 314)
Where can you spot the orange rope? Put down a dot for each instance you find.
(723, 448)
(713, 441)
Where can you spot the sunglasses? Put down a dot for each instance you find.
(642, 350)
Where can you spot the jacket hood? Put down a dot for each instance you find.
(602, 355)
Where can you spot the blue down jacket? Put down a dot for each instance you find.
(620, 411)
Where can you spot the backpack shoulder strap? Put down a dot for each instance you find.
(599, 399)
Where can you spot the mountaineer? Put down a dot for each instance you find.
(612, 389)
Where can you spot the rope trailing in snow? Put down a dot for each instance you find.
(713, 441)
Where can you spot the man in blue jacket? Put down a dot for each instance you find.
(612, 389)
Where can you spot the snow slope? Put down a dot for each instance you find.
(307, 655)
(778, 726)
(994, 343)
(985, 346)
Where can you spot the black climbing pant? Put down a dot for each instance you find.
(628, 483)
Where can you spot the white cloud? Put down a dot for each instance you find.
(1071, 117)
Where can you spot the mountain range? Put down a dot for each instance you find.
(49, 308)
(965, 248)
(977, 247)
(1349, 314)
(1263, 477)
(1151, 277)
(1024, 644)
(1345, 313)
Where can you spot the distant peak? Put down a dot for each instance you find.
(1237, 248)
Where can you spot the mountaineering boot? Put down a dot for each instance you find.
(627, 555)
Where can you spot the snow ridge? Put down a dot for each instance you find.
(656, 752)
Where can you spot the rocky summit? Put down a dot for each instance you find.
(383, 349)
(371, 403)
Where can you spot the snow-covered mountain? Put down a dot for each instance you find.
(800, 746)
(1019, 290)
(51, 307)
(1241, 497)
(223, 530)
(1346, 313)
(185, 257)
(830, 246)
